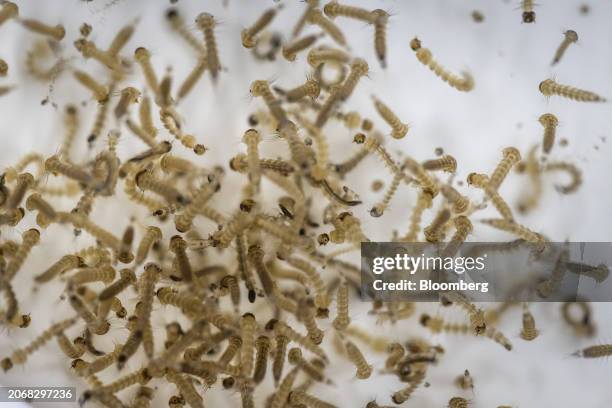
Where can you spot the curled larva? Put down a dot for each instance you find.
(464, 83)
(549, 87)
(569, 168)
(398, 129)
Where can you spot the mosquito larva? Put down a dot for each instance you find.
(12, 307)
(396, 351)
(248, 35)
(248, 326)
(321, 299)
(24, 182)
(193, 77)
(312, 371)
(105, 274)
(529, 331)
(66, 263)
(398, 129)
(549, 122)
(306, 315)
(20, 356)
(511, 157)
(380, 18)
(153, 153)
(147, 181)
(99, 122)
(240, 163)
(446, 163)
(373, 145)
(129, 95)
(9, 10)
(262, 347)
(458, 402)
(143, 398)
(571, 170)
(549, 87)
(334, 9)
(291, 50)
(519, 230)
(342, 320)
(310, 89)
(434, 232)
(143, 58)
(178, 246)
(29, 239)
(320, 55)
(281, 328)
(3, 68)
(70, 349)
(465, 381)
(206, 23)
(46, 212)
(570, 36)
(100, 92)
(316, 17)
(476, 315)
(184, 220)
(186, 388)
(528, 16)
(364, 370)
(300, 397)
(151, 236)
(427, 182)
(424, 201)
(99, 327)
(482, 181)
(89, 50)
(437, 325)
(401, 396)
(359, 68)
(56, 166)
(464, 83)
(599, 351)
(284, 389)
(56, 32)
(599, 273)
(459, 202)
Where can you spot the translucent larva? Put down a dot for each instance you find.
(143, 398)
(284, 389)
(511, 157)
(9, 10)
(549, 122)
(599, 351)
(66, 263)
(427, 182)
(248, 35)
(458, 402)
(320, 55)
(300, 397)
(46, 212)
(529, 331)
(465, 381)
(528, 16)
(261, 89)
(70, 349)
(56, 32)
(152, 235)
(437, 325)
(121, 39)
(334, 9)
(56, 166)
(20, 356)
(569, 168)
(380, 18)
(424, 201)
(105, 274)
(446, 163)
(600, 272)
(316, 17)
(186, 388)
(192, 79)
(147, 181)
(129, 96)
(310, 89)
(99, 122)
(89, 50)
(464, 83)
(459, 202)
(364, 370)
(281, 328)
(549, 87)
(570, 37)
(401, 396)
(100, 92)
(248, 325)
(434, 232)
(143, 58)
(342, 320)
(476, 315)
(206, 23)
(517, 229)
(306, 314)
(25, 181)
(291, 50)
(399, 129)
(482, 181)
(29, 239)
(359, 68)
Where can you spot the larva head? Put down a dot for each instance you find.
(359, 138)
(294, 355)
(251, 136)
(205, 21)
(10, 9)
(477, 179)
(360, 66)
(377, 211)
(238, 162)
(79, 366)
(199, 149)
(415, 44)
(529, 17)
(331, 9)
(323, 239)
(6, 364)
(512, 154)
(458, 402)
(155, 232)
(571, 35)
(25, 179)
(177, 244)
(60, 32)
(248, 41)
(259, 87)
(142, 54)
(247, 205)
(546, 86)
(131, 93)
(32, 236)
(463, 223)
(548, 120)
(228, 382)
(379, 16)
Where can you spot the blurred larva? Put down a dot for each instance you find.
(396, 351)
(206, 23)
(280, 351)
(192, 79)
(511, 157)
(248, 34)
(127, 277)
(465, 381)
(248, 327)
(56, 32)
(240, 163)
(282, 328)
(401, 396)
(12, 306)
(517, 229)
(29, 239)
(379, 208)
(70, 349)
(261, 88)
(178, 246)
(482, 181)
(550, 122)
(105, 274)
(320, 55)
(312, 371)
(427, 182)
(125, 250)
(458, 402)
(147, 181)
(321, 299)
(66, 263)
(152, 235)
(143, 58)
(316, 17)
(570, 36)
(3, 68)
(459, 202)
(434, 232)
(146, 117)
(99, 122)
(143, 398)
(549, 87)
(252, 139)
(190, 305)
(300, 397)
(178, 24)
(424, 201)
(310, 88)
(446, 163)
(529, 331)
(464, 83)
(359, 68)
(89, 50)
(100, 92)
(342, 320)
(262, 347)
(528, 16)
(231, 283)
(306, 315)
(12, 217)
(121, 38)
(599, 351)
(364, 370)
(24, 182)
(551, 286)
(372, 144)
(476, 315)
(9, 10)
(437, 325)
(129, 96)
(20, 356)
(291, 50)
(139, 376)
(600, 272)
(569, 168)
(56, 166)
(399, 129)
(71, 124)
(380, 18)
(46, 213)
(186, 388)
(284, 389)
(234, 343)
(97, 326)
(334, 9)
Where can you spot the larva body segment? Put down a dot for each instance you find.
(424, 201)
(359, 68)
(463, 83)
(143, 58)
(459, 202)
(320, 55)
(284, 389)
(152, 235)
(262, 347)
(380, 17)
(129, 96)
(261, 88)
(477, 319)
(178, 24)
(186, 388)
(342, 320)
(570, 37)
(206, 23)
(192, 78)
(143, 398)
(528, 331)
(427, 182)
(248, 326)
(434, 232)
(56, 32)
(46, 213)
(54, 165)
(29, 239)
(147, 181)
(100, 92)
(316, 17)
(364, 370)
(399, 129)
(291, 50)
(334, 9)
(446, 163)
(401, 396)
(300, 397)
(458, 402)
(70, 349)
(549, 87)
(105, 274)
(482, 181)
(517, 229)
(25, 181)
(511, 157)
(569, 168)
(310, 89)
(67, 262)
(599, 351)
(280, 352)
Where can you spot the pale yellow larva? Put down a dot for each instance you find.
(549, 122)
(143, 58)
(147, 181)
(334, 9)
(315, 16)
(364, 370)
(550, 87)
(56, 32)
(100, 92)
(463, 83)
(9, 10)
(300, 397)
(248, 35)
(29, 239)
(529, 331)
(206, 23)
(262, 348)
(399, 129)
(129, 96)
(570, 37)
(342, 320)
(380, 18)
